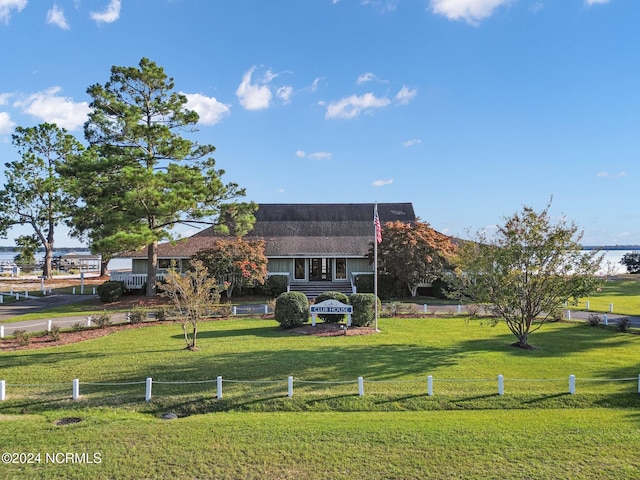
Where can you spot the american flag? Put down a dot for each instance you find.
(376, 223)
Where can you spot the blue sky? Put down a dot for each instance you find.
(469, 109)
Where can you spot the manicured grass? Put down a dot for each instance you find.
(623, 292)
(536, 430)
(576, 444)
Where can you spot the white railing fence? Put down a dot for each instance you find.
(428, 381)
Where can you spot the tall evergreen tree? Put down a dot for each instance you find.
(141, 176)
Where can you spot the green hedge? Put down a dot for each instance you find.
(332, 317)
(363, 309)
(292, 309)
(110, 291)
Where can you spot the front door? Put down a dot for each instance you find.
(320, 269)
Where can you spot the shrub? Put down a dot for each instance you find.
(54, 333)
(110, 291)
(624, 324)
(332, 317)
(102, 320)
(593, 320)
(363, 309)
(275, 285)
(388, 286)
(138, 314)
(23, 337)
(161, 314)
(473, 310)
(292, 309)
(391, 309)
(77, 327)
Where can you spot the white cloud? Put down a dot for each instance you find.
(366, 77)
(285, 93)
(315, 155)
(210, 110)
(596, 2)
(4, 97)
(405, 95)
(55, 16)
(254, 96)
(351, 107)
(381, 183)
(50, 107)
(6, 125)
(412, 142)
(6, 6)
(612, 175)
(471, 11)
(109, 15)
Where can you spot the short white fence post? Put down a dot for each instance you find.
(572, 384)
(219, 387)
(147, 396)
(74, 291)
(500, 385)
(568, 314)
(587, 305)
(49, 325)
(26, 294)
(605, 320)
(76, 388)
(89, 321)
(360, 386)
(94, 290)
(430, 385)
(235, 312)
(266, 308)
(459, 308)
(290, 387)
(42, 289)
(425, 308)
(1, 331)
(3, 391)
(1, 298)
(611, 308)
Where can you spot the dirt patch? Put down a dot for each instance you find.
(331, 330)
(31, 284)
(68, 421)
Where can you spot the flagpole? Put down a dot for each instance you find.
(376, 236)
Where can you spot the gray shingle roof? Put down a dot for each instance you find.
(310, 229)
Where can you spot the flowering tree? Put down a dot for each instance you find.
(235, 262)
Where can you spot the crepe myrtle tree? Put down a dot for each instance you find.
(142, 175)
(527, 271)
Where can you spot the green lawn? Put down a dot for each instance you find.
(465, 430)
(623, 292)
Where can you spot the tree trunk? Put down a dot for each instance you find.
(104, 267)
(152, 268)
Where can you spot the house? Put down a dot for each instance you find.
(319, 247)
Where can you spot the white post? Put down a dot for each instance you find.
(430, 386)
(313, 319)
(76, 388)
(459, 308)
(290, 387)
(1, 331)
(81, 283)
(500, 385)
(1, 298)
(425, 308)
(147, 396)
(94, 290)
(611, 308)
(235, 312)
(572, 384)
(360, 386)
(605, 320)
(88, 321)
(42, 286)
(568, 314)
(74, 291)
(3, 391)
(266, 308)
(26, 294)
(587, 305)
(219, 387)
(49, 325)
